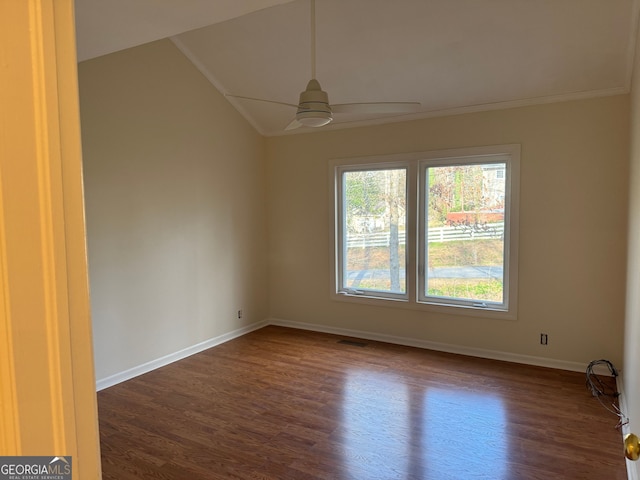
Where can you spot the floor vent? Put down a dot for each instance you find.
(353, 343)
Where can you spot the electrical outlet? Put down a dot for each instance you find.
(544, 339)
(240, 313)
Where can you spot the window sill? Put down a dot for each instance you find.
(404, 303)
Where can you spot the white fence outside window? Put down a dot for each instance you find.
(437, 234)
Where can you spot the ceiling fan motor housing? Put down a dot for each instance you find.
(313, 108)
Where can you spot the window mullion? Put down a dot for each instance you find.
(412, 232)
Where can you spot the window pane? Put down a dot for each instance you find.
(465, 228)
(374, 221)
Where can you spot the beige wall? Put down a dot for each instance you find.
(632, 325)
(175, 200)
(573, 221)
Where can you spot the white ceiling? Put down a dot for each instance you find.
(452, 56)
(106, 26)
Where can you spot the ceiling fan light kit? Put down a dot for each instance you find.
(314, 119)
(313, 108)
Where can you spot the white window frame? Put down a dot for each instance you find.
(415, 164)
(340, 237)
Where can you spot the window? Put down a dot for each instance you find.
(435, 230)
(373, 231)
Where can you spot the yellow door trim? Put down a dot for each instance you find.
(9, 413)
(47, 386)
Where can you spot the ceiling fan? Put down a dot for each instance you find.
(314, 109)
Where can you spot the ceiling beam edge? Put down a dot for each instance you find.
(214, 82)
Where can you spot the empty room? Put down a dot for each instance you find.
(355, 239)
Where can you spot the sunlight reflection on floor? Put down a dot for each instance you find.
(377, 429)
(459, 423)
(380, 438)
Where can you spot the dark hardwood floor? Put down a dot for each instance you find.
(281, 404)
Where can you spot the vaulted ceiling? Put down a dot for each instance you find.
(452, 56)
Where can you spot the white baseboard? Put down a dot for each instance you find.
(440, 347)
(112, 380)
(103, 383)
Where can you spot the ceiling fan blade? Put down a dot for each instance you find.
(293, 125)
(261, 100)
(376, 107)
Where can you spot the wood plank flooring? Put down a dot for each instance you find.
(280, 404)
